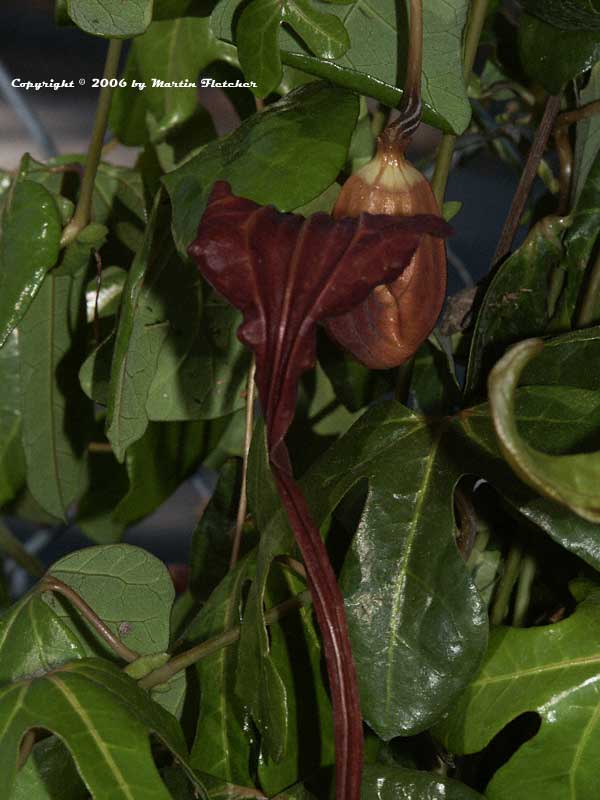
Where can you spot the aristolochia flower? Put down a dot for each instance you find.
(285, 274)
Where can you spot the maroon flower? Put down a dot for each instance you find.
(285, 274)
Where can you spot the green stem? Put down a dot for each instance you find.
(444, 157)
(588, 313)
(188, 657)
(523, 596)
(13, 548)
(52, 584)
(501, 603)
(83, 211)
(243, 502)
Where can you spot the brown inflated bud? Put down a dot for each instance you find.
(390, 325)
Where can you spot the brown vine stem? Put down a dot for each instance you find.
(445, 152)
(52, 584)
(527, 177)
(83, 210)
(410, 108)
(188, 657)
(243, 503)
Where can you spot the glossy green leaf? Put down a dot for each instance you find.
(265, 159)
(141, 332)
(30, 231)
(12, 457)
(49, 774)
(57, 416)
(223, 738)
(433, 386)
(173, 51)
(34, 640)
(127, 587)
(412, 608)
(553, 57)
(376, 55)
(103, 718)
(515, 304)
(383, 782)
(257, 37)
(573, 480)
(570, 15)
(111, 18)
(552, 670)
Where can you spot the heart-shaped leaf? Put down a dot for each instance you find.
(265, 158)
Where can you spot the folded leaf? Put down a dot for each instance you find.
(573, 480)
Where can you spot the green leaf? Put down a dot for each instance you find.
(265, 692)
(223, 739)
(515, 305)
(29, 245)
(103, 718)
(34, 640)
(57, 417)
(565, 361)
(49, 774)
(111, 18)
(257, 37)
(202, 366)
(433, 387)
(553, 671)
(265, 159)
(573, 480)
(382, 782)
(77, 255)
(587, 143)
(570, 15)
(107, 485)
(141, 332)
(415, 625)
(173, 51)
(127, 587)
(551, 56)
(395, 606)
(579, 246)
(296, 653)
(12, 457)
(377, 51)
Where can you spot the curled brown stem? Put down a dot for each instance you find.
(52, 584)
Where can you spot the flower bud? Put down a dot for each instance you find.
(388, 327)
